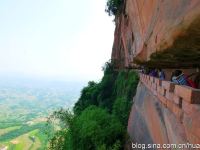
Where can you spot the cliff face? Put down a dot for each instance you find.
(148, 26)
(165, 34)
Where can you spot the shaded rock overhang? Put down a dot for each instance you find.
(183, 53)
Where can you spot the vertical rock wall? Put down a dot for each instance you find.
(147, 26)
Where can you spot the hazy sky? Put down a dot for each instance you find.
(63, 39)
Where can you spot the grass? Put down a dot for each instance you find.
(9, 129)
(19, 138)
(24, 142)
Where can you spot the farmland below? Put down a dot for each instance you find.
(24, 108)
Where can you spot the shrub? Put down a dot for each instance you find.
(121, 109)
(126, 84)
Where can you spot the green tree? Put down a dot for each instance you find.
(100, 115)
(62, 138)
(113, 7)
(93, 129)
(88, 97)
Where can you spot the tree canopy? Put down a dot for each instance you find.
(113, 7)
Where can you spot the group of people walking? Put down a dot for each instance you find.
(177, 77)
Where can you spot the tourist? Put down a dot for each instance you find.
(196, 82)
(178, 77)
(161, 74)
(154, 73)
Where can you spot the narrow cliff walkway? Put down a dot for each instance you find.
(182, 101)
(165, 113)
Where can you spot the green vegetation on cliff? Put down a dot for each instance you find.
(113, 7)
(101, 114)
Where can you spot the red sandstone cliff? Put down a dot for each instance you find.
(148, 26)
(147, 30)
